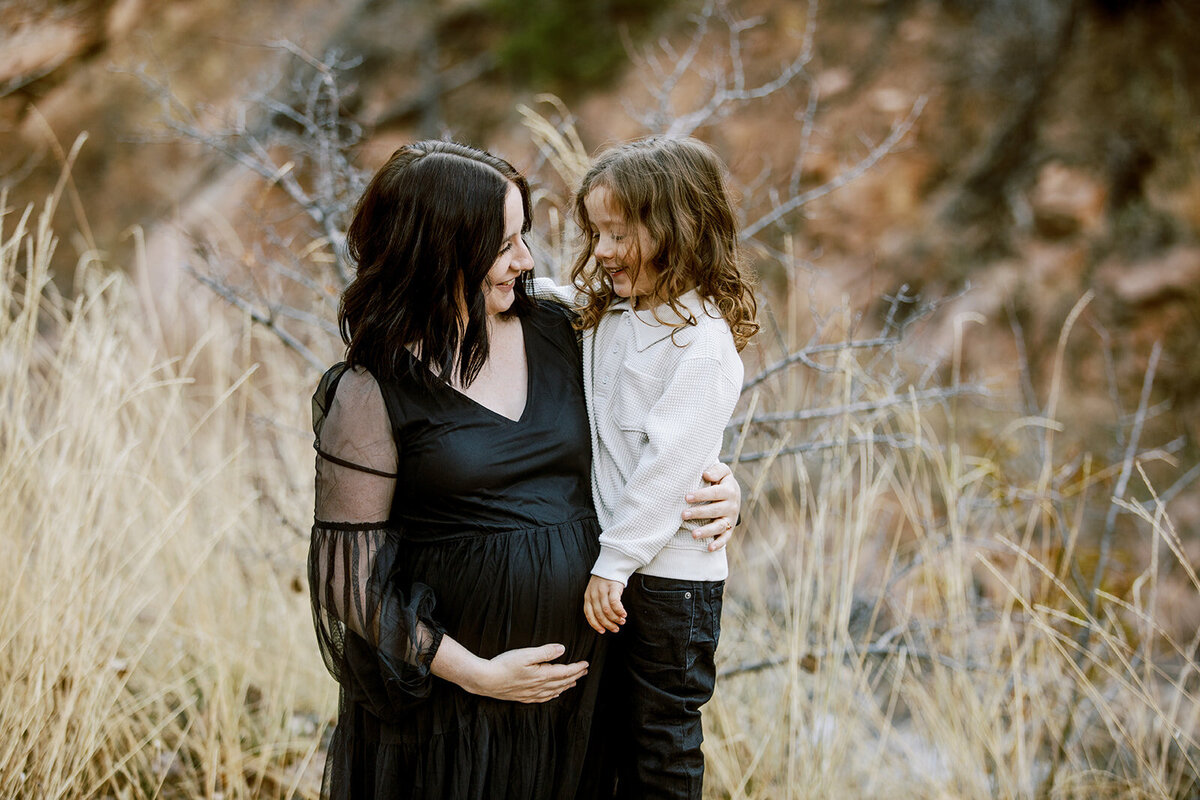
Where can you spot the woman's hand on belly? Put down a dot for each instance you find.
(524, 675)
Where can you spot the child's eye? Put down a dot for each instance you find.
(507, 246)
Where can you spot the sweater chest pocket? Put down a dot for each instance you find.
(634, 395)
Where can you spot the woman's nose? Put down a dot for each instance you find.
(524, 259)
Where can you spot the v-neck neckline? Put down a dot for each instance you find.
(528, 385)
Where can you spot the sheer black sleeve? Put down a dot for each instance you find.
(377, 638)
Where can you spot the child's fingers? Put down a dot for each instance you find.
(609, 618)
(614, 602)
(590, 614)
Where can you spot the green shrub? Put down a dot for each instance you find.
(560, 44)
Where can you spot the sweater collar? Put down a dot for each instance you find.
(653, 325)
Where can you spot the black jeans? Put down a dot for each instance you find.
(662, 671)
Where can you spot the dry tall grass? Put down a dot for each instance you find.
(908, 613)
(154, 632)
(912, 613)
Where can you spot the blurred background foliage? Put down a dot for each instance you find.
(1014, 185)
(569, 47)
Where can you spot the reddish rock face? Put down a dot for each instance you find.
(39, 40)
(1067, 201)
(1113, 151)
(1173, 275)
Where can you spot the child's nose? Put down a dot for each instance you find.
(604, 247)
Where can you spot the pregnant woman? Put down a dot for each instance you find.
(454, 531)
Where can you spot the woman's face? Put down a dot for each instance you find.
(621, 246)
(513, 259)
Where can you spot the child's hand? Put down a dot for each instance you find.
(602, 604)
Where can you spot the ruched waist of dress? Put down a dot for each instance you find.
(418, 533)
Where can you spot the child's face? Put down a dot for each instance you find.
(621, 247)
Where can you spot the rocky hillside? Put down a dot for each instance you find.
(1055, 153)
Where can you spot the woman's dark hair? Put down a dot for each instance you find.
(424, 235)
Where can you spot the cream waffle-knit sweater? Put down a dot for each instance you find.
(658, 399)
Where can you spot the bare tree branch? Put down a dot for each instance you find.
(266, 319)
(888, 440)
(863, 406)
(898, 132)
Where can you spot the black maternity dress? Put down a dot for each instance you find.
(490, 540)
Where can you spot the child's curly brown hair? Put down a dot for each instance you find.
(676, 188)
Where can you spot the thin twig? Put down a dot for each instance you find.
(898, 442)
(804, 356)
(265, 319)
(1127, 463)
(815, 655)
(863, 406)
(898, 132)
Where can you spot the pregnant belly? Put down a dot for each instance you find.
(500, 591)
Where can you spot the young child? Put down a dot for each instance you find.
(665, 310)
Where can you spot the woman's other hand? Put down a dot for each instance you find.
(720, 503)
